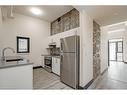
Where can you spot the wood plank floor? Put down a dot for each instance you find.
(114, 78)
(45, 80)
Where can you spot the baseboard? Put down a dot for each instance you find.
(125, 62)
(87, 85)
(79, 87)
(92, 84)
(55, 74)
(104, 71)
(37, 67)
(95, 82)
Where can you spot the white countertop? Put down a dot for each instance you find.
(13, 64)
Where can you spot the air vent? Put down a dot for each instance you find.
(7, 12)
(59, 19)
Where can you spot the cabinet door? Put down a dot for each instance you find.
(56, 65)
(58, 42)
(53, 65)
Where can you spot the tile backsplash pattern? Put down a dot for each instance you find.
(96, 50)
(66, 22)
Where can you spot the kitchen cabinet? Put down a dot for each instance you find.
(57, 42)
(17, 77)
(56, 38)
(56, 65)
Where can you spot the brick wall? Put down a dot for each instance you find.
(96, 50)
(66, 22)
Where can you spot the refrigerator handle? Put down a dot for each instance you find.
(61, 45)
(61, 58)
(61, 61)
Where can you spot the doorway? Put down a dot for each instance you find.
(115, 50)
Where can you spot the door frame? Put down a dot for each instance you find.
(119, 52)
(116, 51)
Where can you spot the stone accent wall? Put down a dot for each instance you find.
(96, 50)
(66, 22)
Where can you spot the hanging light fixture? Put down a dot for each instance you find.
(10, 12)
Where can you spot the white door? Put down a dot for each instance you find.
(116, 51)
(120, 51)
(112, 51)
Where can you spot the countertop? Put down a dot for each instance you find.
(13, 64)
(57, 56)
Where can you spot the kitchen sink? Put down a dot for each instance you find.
(13, 58)
(10, 60)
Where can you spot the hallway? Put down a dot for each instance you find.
(114, 78)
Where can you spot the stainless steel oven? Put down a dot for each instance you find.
(48, 63)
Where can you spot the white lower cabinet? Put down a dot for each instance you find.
(56, 65)
(20, 77)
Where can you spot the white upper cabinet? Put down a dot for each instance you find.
(58, 42)
(56, 38)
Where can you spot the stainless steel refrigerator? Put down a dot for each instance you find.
(69, 67)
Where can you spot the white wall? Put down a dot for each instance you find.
(86, 47)
(104, 49)
(0, 26)
(0, 17)
(108, 34)
(125, 43)
(37, 30)
(118, 31)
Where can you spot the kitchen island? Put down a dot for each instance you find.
(16, 75)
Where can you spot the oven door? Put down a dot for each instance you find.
(48, 64)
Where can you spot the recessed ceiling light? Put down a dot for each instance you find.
(116, 14)
(36, 11)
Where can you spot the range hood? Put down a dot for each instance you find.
(52, 44)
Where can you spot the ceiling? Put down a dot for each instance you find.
(106, 15)
(103, 15)
(49, 13)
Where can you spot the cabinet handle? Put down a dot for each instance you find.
(61, 59)
(56, 60)
(61, 47)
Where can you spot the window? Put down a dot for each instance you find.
(120, 47)
(23, 45)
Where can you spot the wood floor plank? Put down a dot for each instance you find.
(45, 80)
(114, 78)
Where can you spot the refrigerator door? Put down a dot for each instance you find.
(68, 44)
(69, 69)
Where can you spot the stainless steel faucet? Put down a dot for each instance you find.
(3, 52)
